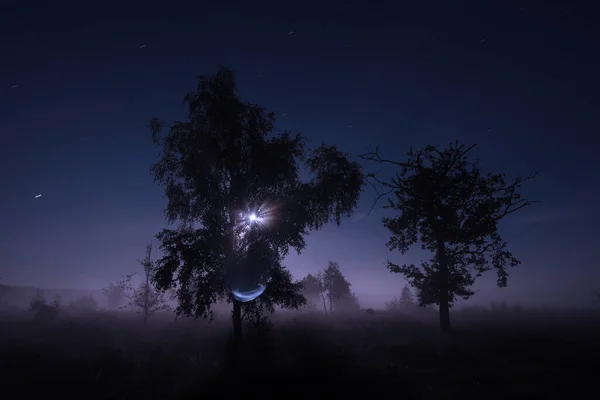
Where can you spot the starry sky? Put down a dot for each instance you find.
(80, 81)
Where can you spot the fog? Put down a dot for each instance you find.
(453, 144)
(375, 289)
(305, 350)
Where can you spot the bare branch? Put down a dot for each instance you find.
(510, 190)
(375, 156)
(373, 181)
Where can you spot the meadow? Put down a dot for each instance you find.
(492, 354)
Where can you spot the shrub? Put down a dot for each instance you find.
(42, 310)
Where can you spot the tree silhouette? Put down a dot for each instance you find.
(452, 208)
(41, 309)
(349, 303)
(115, 295)
(281, 290)
(83, 304)
(403, 303)
(393, 304)
(312, 289)
(145, 297)
(320, 278)
(336, 287)
(406, 298)
(222, 172)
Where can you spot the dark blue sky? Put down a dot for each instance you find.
(518, 78)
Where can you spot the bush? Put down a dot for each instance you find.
(83, 304)
(42, 310)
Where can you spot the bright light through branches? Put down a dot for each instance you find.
(252, 219)
(242, 290)
(258, 217)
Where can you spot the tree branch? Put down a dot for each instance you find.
(375, 156)
(513, 206)
(372, 180)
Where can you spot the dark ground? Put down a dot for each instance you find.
(492, 355)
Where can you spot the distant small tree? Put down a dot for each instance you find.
(323, 292)
(312, 290)
(145, 297)
(84, 304)
(349, 303)
(452, 208)
(42, 310)
(37, 301)
(406, 298)
(115, 295)
(336, 286)
(393, 305)
(57, 300)
(404, 303)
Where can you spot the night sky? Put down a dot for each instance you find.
(79, 83)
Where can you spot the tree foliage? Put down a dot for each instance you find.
(222, 163)
(448, 205)
(42, 310)
(83, 304)
(145, 297)
(337, 289)
(281, 290)
(406, 297)
(312, 290)
(311, 286)
(115, 295)
(404, 303)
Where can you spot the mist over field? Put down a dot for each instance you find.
(299, 200)
(499, 353)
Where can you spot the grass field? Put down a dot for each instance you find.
(542, 355)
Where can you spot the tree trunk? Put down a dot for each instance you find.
(445, 316)
(444, 293)
(237, 329)
(146, 300)
(331, 305)
(237, 305)
(324, 304)
(147, 268)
